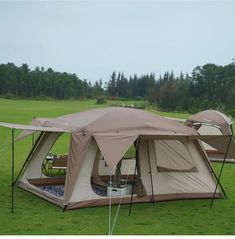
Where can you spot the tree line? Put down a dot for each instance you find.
(208, 86)
(23, 82)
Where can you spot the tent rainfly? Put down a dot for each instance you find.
(169, 161)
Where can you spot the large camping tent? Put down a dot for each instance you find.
(169, 161)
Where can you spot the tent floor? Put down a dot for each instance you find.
(54, 186)
(99, 189)
(56, 190)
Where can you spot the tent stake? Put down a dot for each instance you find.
(151, 178)
(65, 208)
(12, 168)
(220, 173)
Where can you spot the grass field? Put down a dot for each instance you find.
(34, 216)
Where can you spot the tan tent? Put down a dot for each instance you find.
(169, 162)
(211, 122)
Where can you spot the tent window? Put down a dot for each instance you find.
(209, 130)
(55, 163)
(173, 156)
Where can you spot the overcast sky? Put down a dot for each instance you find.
(94, 38)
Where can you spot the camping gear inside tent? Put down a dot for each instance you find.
(211, 122)
(168, 160)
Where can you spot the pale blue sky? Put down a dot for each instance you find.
(93, 38)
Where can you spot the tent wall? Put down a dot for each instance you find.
(200, 181)
(82, 189)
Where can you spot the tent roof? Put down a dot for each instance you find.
(128, 121)
(113, 119)
(212, 117)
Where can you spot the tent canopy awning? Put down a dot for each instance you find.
(32, 127)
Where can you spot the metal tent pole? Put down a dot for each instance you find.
(151, 178)
(220, 173)
(33, 134)
(32, 139)
(110, 201)
(132, 190)
(12, 168)
(133, 183)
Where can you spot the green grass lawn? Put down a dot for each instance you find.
(34, 216)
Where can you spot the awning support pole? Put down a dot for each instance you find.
(12, 168)
(150, 172)
(32, 139)
(133, 183)
(33, 135)
(132, 189)
(29, 156)
(110, 201)
(220, 173)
